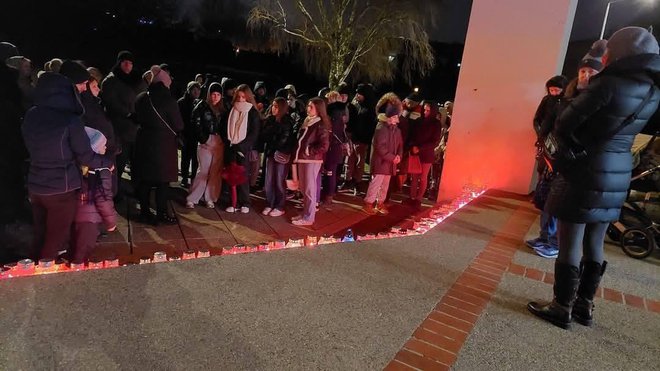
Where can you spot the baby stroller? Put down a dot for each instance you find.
(636, 230)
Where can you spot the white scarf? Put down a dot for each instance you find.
(309, 121)
(237, 122)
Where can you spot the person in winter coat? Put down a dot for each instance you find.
(412, 116)
(243, 124)
(189, 150)
(546, 244)
(160, 122)
(360, 128)
(95, 205)
(58, 145)
(12, 151)
(587, 194)
(338, 113)
(228, 88)
(424, 137)
(313, 143)
(387, 150)
(208, 118)
(260, 96)
(280, 141)
(119, 91)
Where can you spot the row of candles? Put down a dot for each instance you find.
(27, 267)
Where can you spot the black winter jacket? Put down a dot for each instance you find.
(186, 105)
(206, 122)
(594, 188)
(95, 117)
(362, 127)
(156, 145)
(56, 139)
(118, 94)
(338, 113)
(278, 136)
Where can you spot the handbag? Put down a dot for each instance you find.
(560, 155)
(414, 164)
(346, 147)
(179, 141)
(281, 158)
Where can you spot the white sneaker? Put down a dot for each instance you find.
(297, 217)
(230, 209)
(210, 205)
(276, 212)
(245, 210)
(266, 211)
(190, 205)
(302, 222)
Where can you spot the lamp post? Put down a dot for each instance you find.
(607, 13)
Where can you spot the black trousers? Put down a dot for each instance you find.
(579, 241)
(53, 217)
(123, 158)
(144, 196)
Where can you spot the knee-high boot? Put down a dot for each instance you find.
(583, 309)
(558, 311)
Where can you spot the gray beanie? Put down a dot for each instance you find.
(630, 41)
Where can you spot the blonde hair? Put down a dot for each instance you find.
(333, 96)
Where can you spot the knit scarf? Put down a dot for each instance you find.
(237, 122)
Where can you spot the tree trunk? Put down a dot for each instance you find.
(337, 68)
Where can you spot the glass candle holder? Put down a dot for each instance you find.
(263, 246)
(25, 266)
(240, 248)
(174, 257)
(77, 266)
(160, 257)
(45, 266)
(295, 242)
(228, 250)
(311, 241)
(382, 235)
(279, 244)
(96, 264)
(188, 254)
(5, 272)
(145, 260)
(203, 253)
(112, 262)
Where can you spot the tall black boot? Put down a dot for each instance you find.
(558, 311)
(591, 274)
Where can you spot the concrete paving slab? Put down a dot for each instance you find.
(507, 337)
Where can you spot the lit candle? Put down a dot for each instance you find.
(263, 246)
(189, 254)
(112, 262)
(145, 260)
(25, 267)
(96, 264)
(203, 253)
(227, 250)
(45, 266)
(160, 257)
(77, 266)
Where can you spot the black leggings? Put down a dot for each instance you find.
(144, 193)
(579, 241)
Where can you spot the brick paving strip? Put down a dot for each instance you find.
(435, 344)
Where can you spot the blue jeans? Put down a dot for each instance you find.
(275, 183)
(548, 229)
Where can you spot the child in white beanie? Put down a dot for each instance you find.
(96, 206)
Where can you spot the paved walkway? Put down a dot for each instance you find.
(454, 297)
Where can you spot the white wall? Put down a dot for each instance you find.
(512, 48)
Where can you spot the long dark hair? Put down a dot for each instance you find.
(282, 108)
(321, 110)
(249, 96)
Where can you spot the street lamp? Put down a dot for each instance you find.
(607, 13)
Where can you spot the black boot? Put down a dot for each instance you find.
(583, 310)
(558, 311)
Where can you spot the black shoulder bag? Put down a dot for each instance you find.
(560, 155)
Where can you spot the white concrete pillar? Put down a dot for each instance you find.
(512, 48)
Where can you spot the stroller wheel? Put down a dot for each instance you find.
(613, 233)
(638, 243)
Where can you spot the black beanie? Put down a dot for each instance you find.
(414, 97)
(215, 88)
(282, 93)
(125, 55)
(7, 50)
(593, 58)
(343, 89)
(558, 81)
(75, 71)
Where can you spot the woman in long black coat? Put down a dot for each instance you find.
(155, 163)
(588, 194)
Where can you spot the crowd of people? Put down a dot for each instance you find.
(79, 132)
